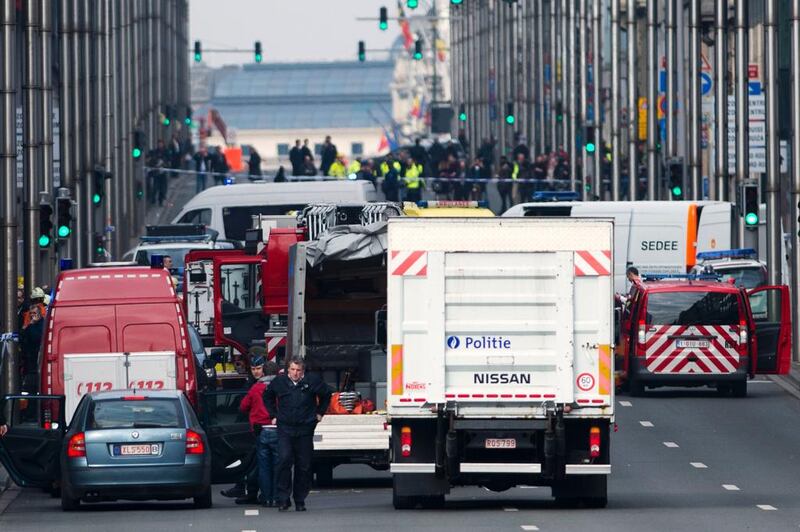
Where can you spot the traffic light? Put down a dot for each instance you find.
(64, 215)
(510, 114)
(166, 115)
(418, 50)
(462, 112)
(99, 246)
(384, 19)
(362, 51)
(100, 176)
(45, 224)
(187, 119)
(750, 198)
(412, 4)
(675, 172)
(198, 53)
(456, 2)
(138, 144)
(258, 55)
(589, 143)
(559, 112)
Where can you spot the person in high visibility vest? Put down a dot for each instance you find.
(412, 180)
(338, 168)
(354, 169)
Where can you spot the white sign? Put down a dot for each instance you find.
(757, 134)
(56, 148)
(20, 167)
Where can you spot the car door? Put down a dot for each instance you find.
(229, 435)
(773, 325)
(31, 449)
(238, 315)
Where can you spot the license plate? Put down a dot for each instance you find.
(501, 443)
(692, 343)
(143, 449)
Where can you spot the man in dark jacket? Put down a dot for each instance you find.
(298, 402)
(3, 424)
(328, 155)
(296, 158)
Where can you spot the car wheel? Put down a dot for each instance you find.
(635, 387)
(739, 389)
(68, 504)
(204, 499)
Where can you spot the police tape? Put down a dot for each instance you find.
(9, 337)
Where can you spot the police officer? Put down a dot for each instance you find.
(298, 402)
(3, 424)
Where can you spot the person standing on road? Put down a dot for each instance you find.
(202, 164)
(298, 402)
(328, 155)
(296, 157)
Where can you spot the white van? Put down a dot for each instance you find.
(654, 236)
(229, 209)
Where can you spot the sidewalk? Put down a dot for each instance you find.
(790, 382)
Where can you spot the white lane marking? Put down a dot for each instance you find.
(625, 403)
(529, 527)
(646, 423)
(761, 382)
(699, 465)
(250, 512)
(671, 444)
(731, 487)
(248, 531)
(766, 507)
(510, 509)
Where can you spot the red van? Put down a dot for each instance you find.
(694, 331)
(115, 327)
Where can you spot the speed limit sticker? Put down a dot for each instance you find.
(585, 381)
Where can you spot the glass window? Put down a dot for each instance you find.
(239, 286)
(745, 277)
(125, 414)
(198, 216)
(237, 220)
(690, 308)
(318, 148)
(357, 148)
(283, 150)
(177, 254)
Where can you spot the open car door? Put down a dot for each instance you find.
(229, 435)
(773, 320)
(238, 317)
(31, 449)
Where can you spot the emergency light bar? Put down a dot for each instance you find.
(452, 204)
(741, 253)
(556, 195)
(176, 230)
(678, 276)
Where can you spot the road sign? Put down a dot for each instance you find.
(754, 88)
(757, 134)
(752, 71)
(705, 66)
(642, 106)
(706, 83)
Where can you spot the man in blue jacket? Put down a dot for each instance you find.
(298, 402)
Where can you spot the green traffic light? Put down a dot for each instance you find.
(677, 191)
(187, 121)
(590, 147)
(258, 58)
(559, 118)
(417, 56)
(751, 218)
(165, 121)
(412, 4)
(96, 198)
(456, 2)
(136, 152)
(44, 241)
(510, 119)
(198, 58)
(463, 117)
(383, 25)
(63, 231)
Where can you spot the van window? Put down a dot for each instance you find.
(745, 277)
(690, 308)
(237, 220)
(84, 339)
(148, 337)
(197, 216)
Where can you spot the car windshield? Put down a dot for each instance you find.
(752, 277)
(692, 308)
(140, 413)
(177, 254)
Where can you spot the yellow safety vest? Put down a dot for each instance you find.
(515, 171)
(354, 168)
(337, 170)
(412, 176)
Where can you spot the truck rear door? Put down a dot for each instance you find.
(770, 306)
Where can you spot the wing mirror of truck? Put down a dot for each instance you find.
(380, 327)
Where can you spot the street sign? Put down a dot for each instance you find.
(754, 88)
(706, 83)
(757, 134)
(752, 71)
(705, 66)
(642, 106)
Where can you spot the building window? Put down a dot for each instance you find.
(357, 148)
(283, 150)
(317, 149)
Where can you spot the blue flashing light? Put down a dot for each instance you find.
(65, 264)
(681, 276)
(229, 180)
(741, 253)
(557, 195)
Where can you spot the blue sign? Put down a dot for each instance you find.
(453, 342)
(705, 83)
(754, 88)
(662, 81)
(479, 342)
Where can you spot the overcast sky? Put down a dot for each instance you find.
(289, 30)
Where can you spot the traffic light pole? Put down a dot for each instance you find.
(742, 108)
(720, 101)
(695, 116)
(794, 262)
(583, 84)
(31, 142)
(652, 94)
(615, 127)
(633, 109)
(774, 237)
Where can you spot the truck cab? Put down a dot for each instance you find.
(696, 330)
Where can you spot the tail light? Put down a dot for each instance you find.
(76, 448)
(642, 330)
(194, 443)
(405, 442)
(134, 398)
(48, 419)
(743, 333)
(594, 442)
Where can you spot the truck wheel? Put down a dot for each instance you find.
(404, 503)
(739, 389)
(434, 502)
(723, 389)
(324, 475)
(635, 387)
(204, 499)
(68, 504)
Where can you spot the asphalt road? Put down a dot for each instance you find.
(682, 460)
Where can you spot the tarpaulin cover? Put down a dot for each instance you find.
(348, 242)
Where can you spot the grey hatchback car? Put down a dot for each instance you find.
(128, 444)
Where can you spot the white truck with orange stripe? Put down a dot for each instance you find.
(499, 338)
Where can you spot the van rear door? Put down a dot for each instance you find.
(773, 325)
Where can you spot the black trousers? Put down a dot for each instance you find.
(294, 450)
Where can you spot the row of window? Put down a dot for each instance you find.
(356, 148)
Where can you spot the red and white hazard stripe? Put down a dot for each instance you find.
(592, 263)
(409, 263)
(662, 354)
(273, 343)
